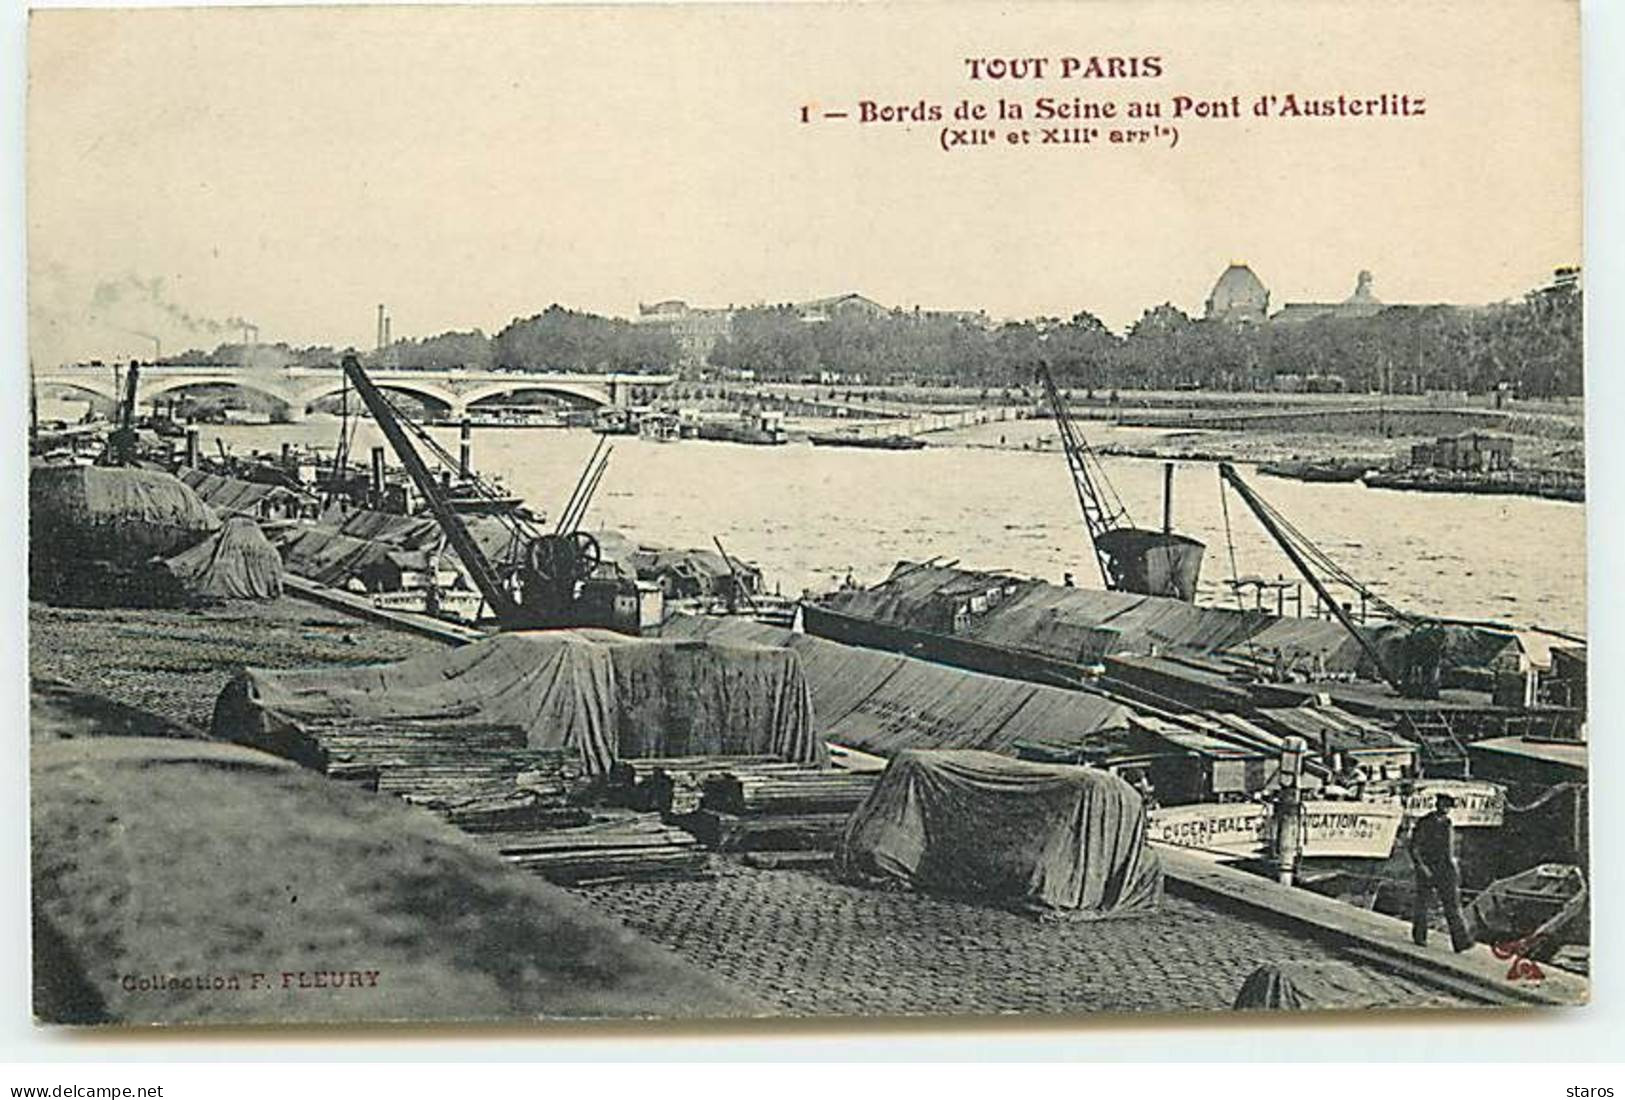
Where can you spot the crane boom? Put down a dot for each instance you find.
(1288, 546)
(1102, 510)
(502, 603)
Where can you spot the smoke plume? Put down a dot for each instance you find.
(132, 297)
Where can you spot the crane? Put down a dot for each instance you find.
(1131, 559)
(553, 565)
(122, 440)
(1423, 646)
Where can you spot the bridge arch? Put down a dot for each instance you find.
(147, 392)
(581, 392)
(103, 390)
(443, 401)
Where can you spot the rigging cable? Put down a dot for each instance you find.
(1235, 576)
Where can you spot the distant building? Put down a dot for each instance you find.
(1475, 451)
(696, 331)
(975, 317)
(1362, 303)
(1238, 298)
(1565, 281)
(1292, 382)
(824, 309)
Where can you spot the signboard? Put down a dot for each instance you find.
(1237, 829)
(1351, 829)
(1359, 829)
(1478, 803)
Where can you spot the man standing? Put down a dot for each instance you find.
(1433, 855)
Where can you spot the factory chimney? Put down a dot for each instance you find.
(379, 345)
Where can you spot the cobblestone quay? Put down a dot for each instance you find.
(815, 946)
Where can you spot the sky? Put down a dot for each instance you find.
(191, 169)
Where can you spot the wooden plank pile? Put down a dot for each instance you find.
(481, 779)
(786, 789)
(777, 807)
(672, 785)
(638, 847)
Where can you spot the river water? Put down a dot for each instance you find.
(811, 515)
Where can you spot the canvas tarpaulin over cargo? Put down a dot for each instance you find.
(1303, 985)
(118, 513)
(412, 532)
(235, 562)
(598, 694)
(1035, 836)
(1078, 625)
(710, 699)
(328, 557)
(1084, 625)
(231, 494)
(550, 691)
(884, 702)
(689, 573)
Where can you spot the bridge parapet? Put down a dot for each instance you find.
(300, 386)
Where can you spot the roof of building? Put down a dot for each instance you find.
(1238, 280)
(1569, 756)
(838, 300)
(1238, 292)
(1361, 303)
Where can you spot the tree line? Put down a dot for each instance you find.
(1532, 346)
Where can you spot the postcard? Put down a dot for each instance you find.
(818, 511)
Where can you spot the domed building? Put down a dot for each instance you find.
(1238, 298)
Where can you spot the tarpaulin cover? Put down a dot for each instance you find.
(687, 573)
(1039, 836)
(695, 698)
(235, 562)
(1301, 643)
(884, 702)
(117, 513)
(840, 677)
(383, 533)
(1305, 985)
(1463, 646)
(1083, 625)
(230, 494)
(599, 694)
(494, 538)
(327, 557)
(1334, 727)
(615, 546)
(411, 532)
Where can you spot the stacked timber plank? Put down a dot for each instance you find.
(629, 847)
(523, 803)
(786, 789)
(672, 785)
(481, 780)
(777, 807)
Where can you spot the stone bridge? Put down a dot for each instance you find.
(447, 392)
